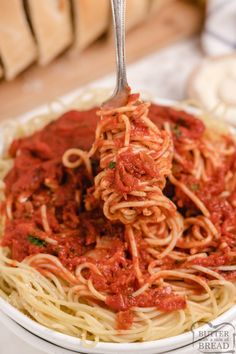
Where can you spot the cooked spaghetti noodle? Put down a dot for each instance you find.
(132, 239)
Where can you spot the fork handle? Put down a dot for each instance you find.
(118, 12)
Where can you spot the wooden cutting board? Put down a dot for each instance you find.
(38, 85)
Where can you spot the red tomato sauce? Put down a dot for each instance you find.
(163, 299)
(183, 124)
(129, 171)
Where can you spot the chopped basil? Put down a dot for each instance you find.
(176, 131)
(36, 241)
(178, 261)
(112, 165)
(194, 187)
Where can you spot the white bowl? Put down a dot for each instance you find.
(74, 344)
(49, 348)
(71, 343)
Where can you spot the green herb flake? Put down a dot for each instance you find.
(36, 241)
(194, 187)
(112, 165)
(178, 261)
(176, 131)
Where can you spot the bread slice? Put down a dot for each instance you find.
(156, 5)
(17, 46)
(91, 19)
(1, 71)
(51, 22)
(136, 12)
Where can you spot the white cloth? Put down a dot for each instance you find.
(219, 35)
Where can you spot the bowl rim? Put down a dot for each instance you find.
(72, 343)
(50, 348)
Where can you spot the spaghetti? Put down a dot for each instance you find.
(132, 239)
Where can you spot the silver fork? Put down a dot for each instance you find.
(122, 90)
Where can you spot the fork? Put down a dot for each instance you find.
(120, 95)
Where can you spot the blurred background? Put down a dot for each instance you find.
(51, 47)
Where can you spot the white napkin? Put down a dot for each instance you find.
(219, 36)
